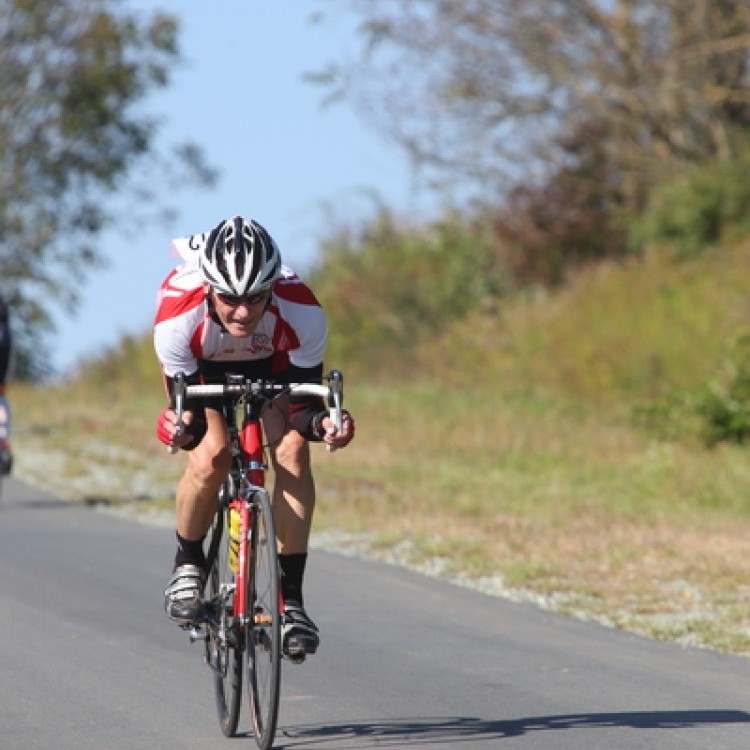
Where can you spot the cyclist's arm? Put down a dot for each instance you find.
(301, 310)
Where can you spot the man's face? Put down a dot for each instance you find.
(239, 315)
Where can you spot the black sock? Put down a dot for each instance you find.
(190, 552)
(292, 573)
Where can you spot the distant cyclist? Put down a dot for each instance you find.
(233, 307)
(6, 457)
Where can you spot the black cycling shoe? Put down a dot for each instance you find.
(183, 597)
(299, 634)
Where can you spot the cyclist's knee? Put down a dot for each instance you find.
(292, 453)
(208, 467)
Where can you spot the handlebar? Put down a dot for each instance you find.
(256, 388)
(332, 392)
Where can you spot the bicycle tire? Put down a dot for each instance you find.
(223, 644)
(263, 634)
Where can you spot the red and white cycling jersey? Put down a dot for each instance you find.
(293, 329)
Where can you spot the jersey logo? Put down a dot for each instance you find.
(258, 342)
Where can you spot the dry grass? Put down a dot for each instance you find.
(593, 519)
(587, 517)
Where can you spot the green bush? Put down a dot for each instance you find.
(725, 405)
(388, 285)
(716, 412)
(698, 207)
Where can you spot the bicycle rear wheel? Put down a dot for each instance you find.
(224, 646)
(263, 634)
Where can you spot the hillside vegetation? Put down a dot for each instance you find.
(569, 445)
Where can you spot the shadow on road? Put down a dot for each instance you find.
(451, 730)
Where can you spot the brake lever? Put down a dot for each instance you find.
(180, 386)
(336, 403)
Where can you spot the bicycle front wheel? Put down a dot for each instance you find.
(224, 645)
(263, 634)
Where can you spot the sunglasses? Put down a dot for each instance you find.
(235, 300)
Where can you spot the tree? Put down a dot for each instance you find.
(71, 75)
(486, 90)
(544, 231)
(562, 114)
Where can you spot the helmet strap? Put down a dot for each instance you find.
(212, 310)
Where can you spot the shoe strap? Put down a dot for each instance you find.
(185, 578)
(296, 615)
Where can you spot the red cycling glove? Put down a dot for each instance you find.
(162, 431)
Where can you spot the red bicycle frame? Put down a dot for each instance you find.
(251, 451)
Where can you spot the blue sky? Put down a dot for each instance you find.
(283, 157)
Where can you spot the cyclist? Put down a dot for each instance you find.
(233, 307)
(6, 457)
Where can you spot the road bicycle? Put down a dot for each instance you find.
(242, 602)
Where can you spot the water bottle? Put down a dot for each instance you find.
(234, 540)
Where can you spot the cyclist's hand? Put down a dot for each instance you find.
(171, 431)
(338, 438)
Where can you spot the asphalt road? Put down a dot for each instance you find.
(88, 661)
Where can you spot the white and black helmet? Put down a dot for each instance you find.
(240, 258)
